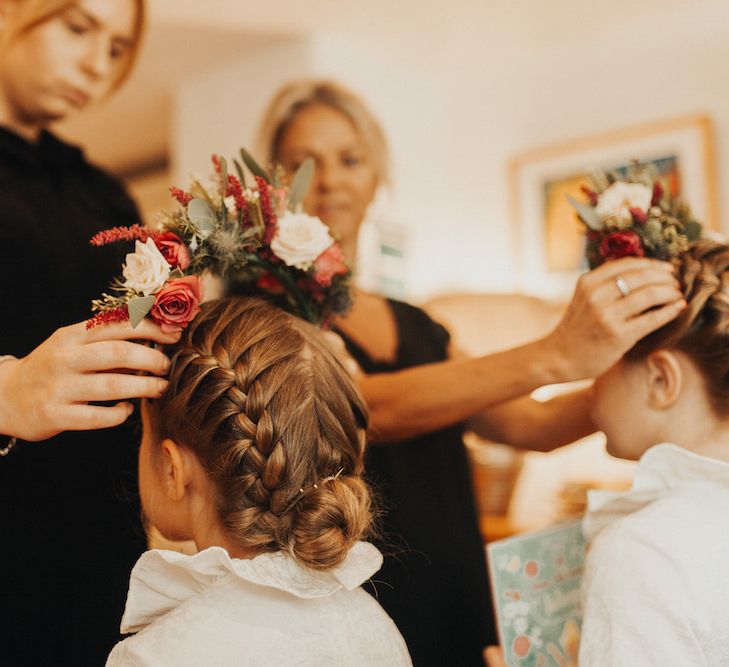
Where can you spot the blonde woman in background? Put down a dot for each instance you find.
(422, 395)
(70, 528)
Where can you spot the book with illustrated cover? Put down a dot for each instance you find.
(535, 580)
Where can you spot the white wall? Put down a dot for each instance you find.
(463, 94)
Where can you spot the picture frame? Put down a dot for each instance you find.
(549, 240)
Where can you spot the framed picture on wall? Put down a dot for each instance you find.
(549, 240)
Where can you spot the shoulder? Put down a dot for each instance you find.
(357, 618)
(246, 624)
(653, 582)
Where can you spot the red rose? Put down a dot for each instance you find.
(329, 264)
(173, 249)
(177, 303)
(621, 244)
(269, 283)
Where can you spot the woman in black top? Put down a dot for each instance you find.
(422, 394)
(70, 525)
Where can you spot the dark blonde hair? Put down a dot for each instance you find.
(702, 330)
(297, 95)
(32, 13)
(277, 423)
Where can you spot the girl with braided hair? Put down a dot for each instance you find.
(656, 589)
(255, 453)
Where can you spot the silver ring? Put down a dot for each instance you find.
(622, 286)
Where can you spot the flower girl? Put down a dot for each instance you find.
(656, 588)
(255, 453)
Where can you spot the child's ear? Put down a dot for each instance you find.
(665, 379)
(176, 473)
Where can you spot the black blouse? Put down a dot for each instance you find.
(433, 582)
(69, 519)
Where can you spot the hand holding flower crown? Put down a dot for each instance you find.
(634, 217)
(256, 236)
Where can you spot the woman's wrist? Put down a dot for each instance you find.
(552, 360)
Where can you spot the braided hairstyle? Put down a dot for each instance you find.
(702, 330)
(278, 425)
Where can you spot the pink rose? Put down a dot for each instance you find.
(177, 303)
(621, 244)
(173, 249)
(329, 264)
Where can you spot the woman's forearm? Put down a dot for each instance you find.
(537, 425)
(430, 397)
(598, 328)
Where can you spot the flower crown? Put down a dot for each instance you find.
(255, 237)
(634, 216)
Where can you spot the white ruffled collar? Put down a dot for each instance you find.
(661, 469)
(162, 580)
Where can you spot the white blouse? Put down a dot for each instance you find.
(213, 610)
(656, 587)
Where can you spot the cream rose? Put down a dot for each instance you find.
(146, 269)
(300, 239)
(615, 203)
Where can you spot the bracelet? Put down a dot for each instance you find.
(13, 440)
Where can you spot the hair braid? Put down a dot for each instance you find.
(269, 411)
(702, 329)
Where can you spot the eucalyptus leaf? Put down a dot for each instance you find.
(201, 214)
(693, 231)
(138, 307)
(255, 168)
(300, 184)
(241, 173)
(176, 273)
(587, 214)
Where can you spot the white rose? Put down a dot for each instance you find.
(300, 239)
(615, 202)
(146, 269)
(230, 206)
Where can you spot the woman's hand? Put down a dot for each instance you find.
(613, 307)
(49, 390)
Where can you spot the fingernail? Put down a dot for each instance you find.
(162, 385)
(130, 409)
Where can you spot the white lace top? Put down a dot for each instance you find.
(213, 610)
(656, 588)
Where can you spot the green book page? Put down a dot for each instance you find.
(536, 580)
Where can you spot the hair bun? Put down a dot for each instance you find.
(332, 517)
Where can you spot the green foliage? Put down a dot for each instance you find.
(255, 168)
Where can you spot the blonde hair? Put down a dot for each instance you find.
(702, 329)
(32, 13)
(278, 425)
(297, 95)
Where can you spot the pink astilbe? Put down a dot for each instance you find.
(120, 314)
(269, 217)
(181, 196)
(590, 194)
(235, 190)
(115, 234)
